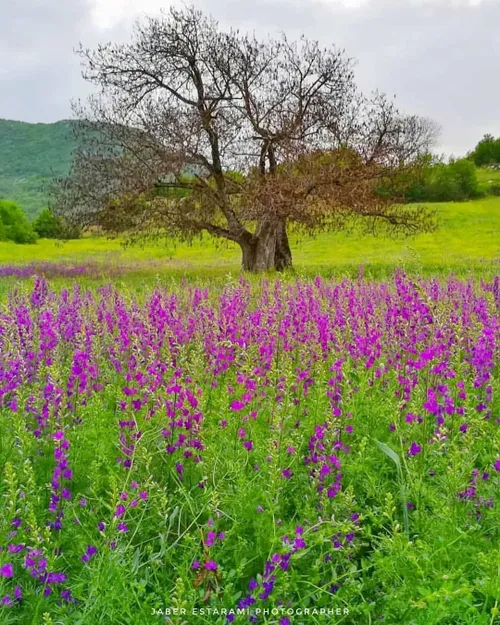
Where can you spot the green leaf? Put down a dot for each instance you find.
(390, 453)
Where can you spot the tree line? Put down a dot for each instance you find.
(15, 226)
(487, 152)
(436, 181)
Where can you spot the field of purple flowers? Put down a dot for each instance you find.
(297, 452)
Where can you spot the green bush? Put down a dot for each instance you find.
(455, 181)
(486, 152)
(50, 226)
(47, 225)
(14, 225)
(434, 181)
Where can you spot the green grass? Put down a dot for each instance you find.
(487, 178)
(491, 176)
(467, 240)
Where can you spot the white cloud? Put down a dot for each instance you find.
(110, 13)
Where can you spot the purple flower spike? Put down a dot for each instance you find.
(414, 449)
(7, 570)
(89, 553)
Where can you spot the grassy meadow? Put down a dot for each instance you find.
(467, 241)
(488, 176)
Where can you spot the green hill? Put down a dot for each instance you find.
(30, 156)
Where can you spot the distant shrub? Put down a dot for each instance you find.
(14, 225)
(435, 181)
(455, 181)
(486, 152)
(47, 225)
(50, 226)
(495, 189)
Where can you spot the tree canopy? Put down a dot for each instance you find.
(50, 226)
(196, 129)
(13, 224)
(486, 152)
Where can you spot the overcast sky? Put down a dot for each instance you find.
(440, 57)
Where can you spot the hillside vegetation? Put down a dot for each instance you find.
(30, 156)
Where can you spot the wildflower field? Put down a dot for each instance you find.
(284, 452)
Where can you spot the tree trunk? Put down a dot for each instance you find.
(283, 253)
(268, 249)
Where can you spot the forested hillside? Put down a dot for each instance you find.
(30, 156)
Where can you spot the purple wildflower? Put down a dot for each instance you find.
(414, 449)
(89, 553)
(120, 511)
(7, 570)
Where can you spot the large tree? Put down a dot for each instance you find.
(194, 129)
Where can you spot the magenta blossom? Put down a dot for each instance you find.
(237, 406)
(7, 570)
(414, 449)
